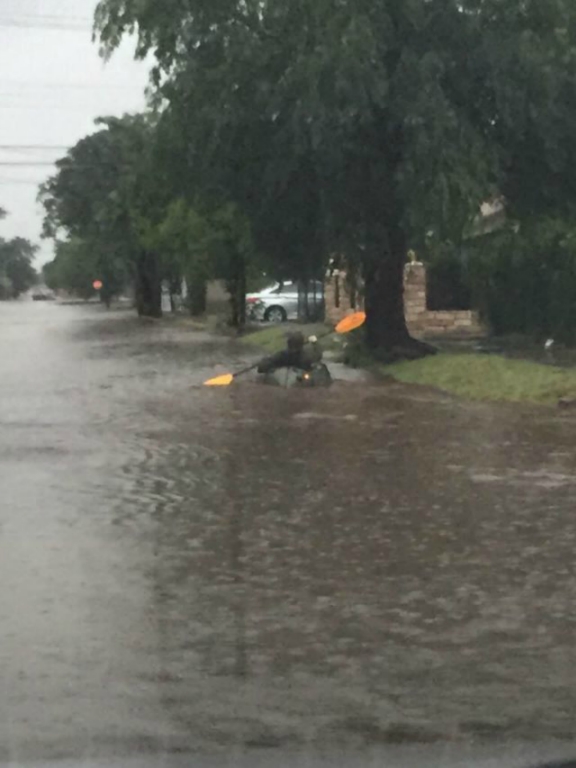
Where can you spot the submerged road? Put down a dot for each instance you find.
(217, 572)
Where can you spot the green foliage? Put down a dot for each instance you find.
(73, 269)
(524, 279)
(106, 196)
(17, 273)
(91, 194)
(77, 264)
(353, 126)
(122, 193)
(448, 279)
(176, 239)
(225, 236)
(203, 245)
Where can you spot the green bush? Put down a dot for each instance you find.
(448, 282)
(523, 280)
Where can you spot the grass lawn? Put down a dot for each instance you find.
(272, 338)
(489, 377)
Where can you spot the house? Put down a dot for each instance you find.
(341, 299)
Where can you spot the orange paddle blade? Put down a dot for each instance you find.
(220, 381)
(351, 322)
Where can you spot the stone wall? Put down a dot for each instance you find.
(420, 320)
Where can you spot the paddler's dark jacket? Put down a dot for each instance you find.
(297, 354)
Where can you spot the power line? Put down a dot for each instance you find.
(21, 181)
(33, 147)
(46, 16)
(25, 163)
(63, 85)
(77, 97)
(102, 106)
(57, 97)
(50, 27)
(42, 107)
(64, 104)
(80, 22)
(16, 24)
(113, 163)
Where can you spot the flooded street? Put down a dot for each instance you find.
(193, 570)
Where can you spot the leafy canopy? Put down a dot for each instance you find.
(101, 198)
(411, 109)
(361, 125)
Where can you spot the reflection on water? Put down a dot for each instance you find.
(185, 568)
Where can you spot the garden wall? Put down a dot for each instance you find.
(420, 320)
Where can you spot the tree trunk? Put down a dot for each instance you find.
(105, 296)
(387, 334)
(197, 290)
(237, 289)
(148, 286)
(175, 287)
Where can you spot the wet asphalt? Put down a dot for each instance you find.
(258, 574)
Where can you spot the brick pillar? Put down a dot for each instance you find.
(333, 313)
(415, 295)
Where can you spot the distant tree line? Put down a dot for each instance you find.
(282, 133)
(17, 273)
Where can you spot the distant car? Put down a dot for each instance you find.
(279, 302)
(43, 296)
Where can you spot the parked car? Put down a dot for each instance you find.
(280, 302)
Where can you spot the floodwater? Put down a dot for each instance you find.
(194, 570)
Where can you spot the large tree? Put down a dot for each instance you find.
(105, 196)
(200, 245)
(16, 265)
(17, 273)
(401, 112)
(77, 264)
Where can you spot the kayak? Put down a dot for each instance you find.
(318, 376)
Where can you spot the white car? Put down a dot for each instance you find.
(279, 302)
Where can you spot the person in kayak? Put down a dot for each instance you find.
(299, 353)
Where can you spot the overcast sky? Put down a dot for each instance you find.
(52, 86)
